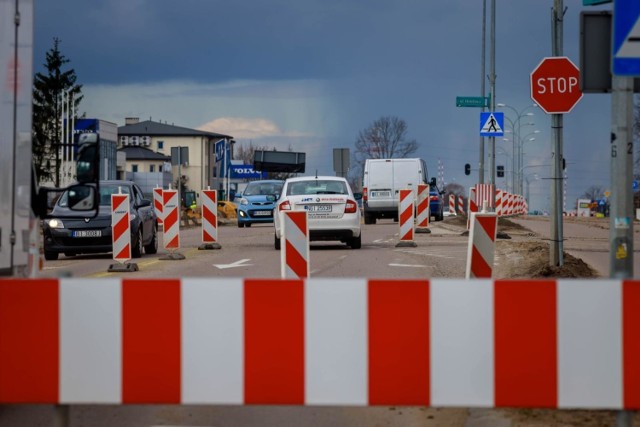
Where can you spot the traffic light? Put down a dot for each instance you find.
(467, 169)
(500, 171)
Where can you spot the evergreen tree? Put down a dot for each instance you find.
(48, 90)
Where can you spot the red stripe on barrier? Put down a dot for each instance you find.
(118, 199)
(631, 343)
(207, 237)
(29, 336)
(151, 341)
(406, 214)
(399, 342)
(295, 261)
(298, 218)
(274, 342)
(174, 243)
(124, 253)
(171, 218)
(488, 224)
(525, 363)
(208, 216)
(479, 266)
(121, 227)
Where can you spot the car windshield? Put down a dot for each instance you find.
(263, 188)
(317, 187)
(106, 190)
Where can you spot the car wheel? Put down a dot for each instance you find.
(152, 247)
(136, 249)
(369, 219)
(277, 243)
(50, 256)
(240, 224)
(356, 242)
(248, 225)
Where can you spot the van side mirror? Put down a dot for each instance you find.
(81, 197)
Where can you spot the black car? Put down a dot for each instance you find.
(72, 236)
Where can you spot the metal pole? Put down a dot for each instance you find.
(492, 80)
(556, 245)
(482, 87)
(621, 217)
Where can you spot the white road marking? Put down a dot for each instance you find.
(240, 263)
(408, 265)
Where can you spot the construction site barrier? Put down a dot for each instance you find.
(209, 216)
(120, 228)
(452, 204)
(158, 204)
(406, 217)
(330, 341)
(482, 242)
(294, 255)
(461, 205)
(171, 209)
(422, 217)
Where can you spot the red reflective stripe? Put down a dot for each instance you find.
(29, 336)
(406, 215)
(151, 341)
(631, 343)
(125, 253)
(479, 267)
(525, 343)
(295, 261)
(117, 201)
(488, 224)
(174, 243)
(399, 342)
(209, 216)
(171, 218)
(300, 220)
(121, 227)
(274, 342)
(408, 235)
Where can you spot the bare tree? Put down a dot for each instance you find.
(385, 138)
(594, 192)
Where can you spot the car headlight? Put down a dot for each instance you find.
(55, 223)
(244, 201)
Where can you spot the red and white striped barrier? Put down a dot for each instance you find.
(171, 208)
(461, 205)
(471, 205)
(484, 193)
(482, 240)
(330, 341)
(294, 256)
(510, 203)
(120, 228)
(452, 204)
(499, 194)
(423, 206)
(209, 216)
(406, 217)
(158, 204)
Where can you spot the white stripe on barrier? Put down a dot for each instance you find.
(462, 343)
(209, 216)
(212, 341)
(589, 344)
(90, 341)
(336, 353)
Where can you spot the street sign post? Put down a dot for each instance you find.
(555, 85)
(626, 38)
(473, 101)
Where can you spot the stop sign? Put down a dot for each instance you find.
(555, 85)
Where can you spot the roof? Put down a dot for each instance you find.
(135, 152)
(152, 128)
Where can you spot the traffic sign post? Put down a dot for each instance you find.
(555, 85)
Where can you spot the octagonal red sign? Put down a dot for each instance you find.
(555, 85)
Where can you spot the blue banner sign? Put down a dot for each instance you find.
(246, 172)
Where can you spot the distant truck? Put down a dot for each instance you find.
(383, 179)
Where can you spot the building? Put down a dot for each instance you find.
(145, 167)
(199, 167)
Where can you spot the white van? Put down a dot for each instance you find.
(382, 182)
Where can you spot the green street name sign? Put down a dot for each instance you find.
(594, 2)
(472, 101)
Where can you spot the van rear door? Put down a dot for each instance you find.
(380, 183)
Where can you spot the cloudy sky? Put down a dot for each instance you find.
(311, 74)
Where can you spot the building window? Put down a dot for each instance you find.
(134, 168)
(152, 168)
(160, 145)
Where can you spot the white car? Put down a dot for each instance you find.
(333, 212)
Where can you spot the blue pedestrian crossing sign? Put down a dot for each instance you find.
(626, 38)
(492, 124)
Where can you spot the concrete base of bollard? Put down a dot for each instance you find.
(172, 257)
(209, 246)
(123, 268)
(423, 230)
(406, 244)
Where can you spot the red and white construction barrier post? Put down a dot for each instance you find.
(452, 204)
(158, 204)
(471, 205)
(294, 255)
(406, 218)
(461, 205)
(171, 234)
(481, 249)
(499, 202)
(209, 219)
(423, 209)
(121, 234)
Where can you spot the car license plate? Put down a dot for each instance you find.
(87, 233)
(319, 208)
(380, 193)
(262, 213)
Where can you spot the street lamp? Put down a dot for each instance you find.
(535, 176)
(519, 115)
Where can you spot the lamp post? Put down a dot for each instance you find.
(524, 139)
(519, 115)
(526, 178)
